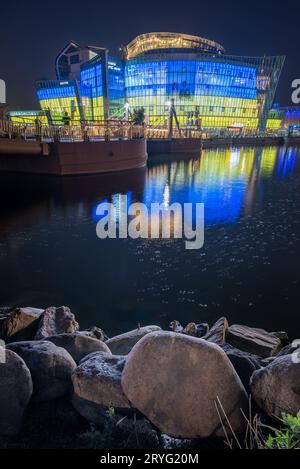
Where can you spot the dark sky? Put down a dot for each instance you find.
(32, 33)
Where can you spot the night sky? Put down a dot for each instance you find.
(33, 32)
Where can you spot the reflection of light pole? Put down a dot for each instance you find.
(126, 109)
(172, 113)
(170, 119)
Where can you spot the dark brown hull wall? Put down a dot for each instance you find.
(176, 145)
(293, 141)
(80, 158)
(22, 147)
(241, 141)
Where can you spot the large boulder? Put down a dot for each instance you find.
(4, 313)
(177, 381)
(196, 330)
(217, 332)
(97, 385)
(78, 345)
(56, 321)
(244, 364)
(50, 367)
(120, 434)
(94, 332)
(252, 340)
(288, 349)
(123, 343)
(276, 388)
(21, 324)
(283, 336)
(15, 392)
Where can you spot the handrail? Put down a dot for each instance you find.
(104, 130)
(111, 129)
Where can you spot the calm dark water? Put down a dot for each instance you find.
(247, 270)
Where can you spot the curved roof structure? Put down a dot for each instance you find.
(68, 61)
(154, 41)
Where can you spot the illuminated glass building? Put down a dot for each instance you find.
(286, 119)
(275, 118)
(209, 89)
(58, 98)
(28, 117)
(291, 119)
(89, 87)
(104, 77)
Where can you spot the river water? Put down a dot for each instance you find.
(247, 270)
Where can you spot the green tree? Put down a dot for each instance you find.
(138, 116)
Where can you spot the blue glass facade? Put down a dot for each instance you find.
(91, 98)
(210, 93)
(190, 77)
(116, 88)
(59, 98)
(91, 77)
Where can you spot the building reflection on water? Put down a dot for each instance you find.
(49, 252)
(224, 180)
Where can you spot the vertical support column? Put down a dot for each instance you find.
(104, 66)
(273, 65)
(92, 103)
(170, 121)
(79, 101)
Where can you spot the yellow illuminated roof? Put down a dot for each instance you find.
(152, 41)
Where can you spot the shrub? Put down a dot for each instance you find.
(287, 437)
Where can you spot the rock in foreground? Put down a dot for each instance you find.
(217, 332)
(21, 324)
(15, 392)
(256, 341)
(244, 364)
(94, 332)
(175, 381)
(78, 345)
(50, 367)
(56, 321)
(123, 343)
(276, 388)
(97, 385)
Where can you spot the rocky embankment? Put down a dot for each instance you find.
(186, 383)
